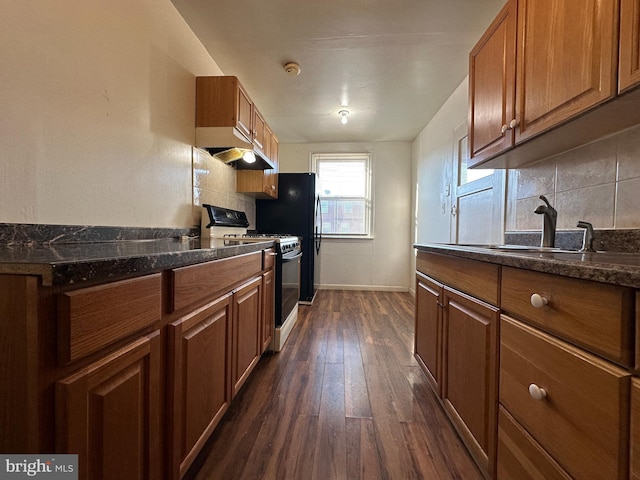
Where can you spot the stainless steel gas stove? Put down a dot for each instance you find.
(231, 225)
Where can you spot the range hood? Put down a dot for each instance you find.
(229, 145)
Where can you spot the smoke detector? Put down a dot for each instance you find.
(292, 68)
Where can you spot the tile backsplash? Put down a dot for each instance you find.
(598, 183)
(214, 183)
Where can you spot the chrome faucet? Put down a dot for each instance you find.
(587, 240)
(548, 223)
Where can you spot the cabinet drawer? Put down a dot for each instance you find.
(520, 457)
(582, 422)
(91, 318)
(202, 282)
(479, 279)
(594, 315)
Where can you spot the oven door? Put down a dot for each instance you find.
(289, 284)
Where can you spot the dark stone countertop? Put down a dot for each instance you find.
(608, 267)
(62, 264)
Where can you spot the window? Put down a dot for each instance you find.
(344, 186)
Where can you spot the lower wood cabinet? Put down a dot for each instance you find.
(470, 373)
(635, 428)
(109, 414)
(520, 457)
(573, 404)
(268, 312)
(428, 329)
(456, 344)
(199, 367)
(247, 344)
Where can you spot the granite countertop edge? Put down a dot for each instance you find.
(87, 264)
(624, 271)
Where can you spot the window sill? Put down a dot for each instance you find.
(326, 236)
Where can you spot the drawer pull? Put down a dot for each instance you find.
(536, 392)
(538, 301)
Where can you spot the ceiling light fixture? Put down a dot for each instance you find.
(344, 114)
(292, 68)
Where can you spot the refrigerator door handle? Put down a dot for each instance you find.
(318, 235)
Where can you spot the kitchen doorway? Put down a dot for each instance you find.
(477, 197)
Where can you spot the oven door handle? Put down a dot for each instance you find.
(289, 259)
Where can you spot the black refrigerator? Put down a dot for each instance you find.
(296, 212)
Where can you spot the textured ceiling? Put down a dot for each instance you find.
(391, 63)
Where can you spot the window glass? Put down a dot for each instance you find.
(344, 187)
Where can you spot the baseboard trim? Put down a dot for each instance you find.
(373, 288)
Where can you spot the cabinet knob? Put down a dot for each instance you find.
(513, 124)
(504, 129)
(536, 392)
(538, 301)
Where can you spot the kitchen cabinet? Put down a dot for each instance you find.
(635, 429)
(456, 343)
(262, 184)
(629, 69)
(132, 374)
(428, 329)
(109, 414)
(213, 345)
(222, 102)
(572, 404)
(199, 357)
(469, 373)
(565, 64)
(108, 410)
(268, 306)
(565, 359)
(247, 345)
(259, 133)
(492, 81)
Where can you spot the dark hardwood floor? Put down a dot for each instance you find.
(344, 399)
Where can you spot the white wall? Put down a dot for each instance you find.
(432, 170)
(97, 122)
(382, 263)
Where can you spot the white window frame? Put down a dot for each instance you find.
(319, 157)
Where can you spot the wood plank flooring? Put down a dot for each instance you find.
(344, 399)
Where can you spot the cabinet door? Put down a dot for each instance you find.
(199, 365)
(428, 329)
(108, 413)
(567, 61)
(469, 379)
(244, 120)
(491, 87)
(246, 331)
(629, 70)
(635, 429)
(258, 130)
(268, 313)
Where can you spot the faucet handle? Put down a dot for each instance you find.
(587, 240)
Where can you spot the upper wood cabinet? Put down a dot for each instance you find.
(261, 184)
(566, 61)
(259, 126)
(223, 102)
(566, 64)
(492, 79)
(629, 70)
